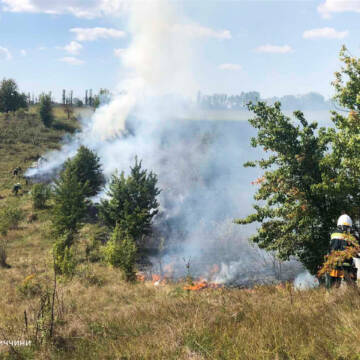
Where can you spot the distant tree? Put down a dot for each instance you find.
(78, 102)
(10, 98)
(96, 102)
(46, 113)
(132, 202)
(90, 99)
(87, 169)
(68, 110)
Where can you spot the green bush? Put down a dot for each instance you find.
(10, 217)
(121, 252)
(40, 194)
(98, 236)
(65, 262)
(89, 277)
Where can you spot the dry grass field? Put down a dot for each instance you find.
(96, 315)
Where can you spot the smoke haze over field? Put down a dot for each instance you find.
(198, 163)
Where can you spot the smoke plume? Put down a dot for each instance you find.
(198, 162)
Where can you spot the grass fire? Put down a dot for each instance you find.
(161, 208)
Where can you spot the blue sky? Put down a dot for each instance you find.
(274, 47)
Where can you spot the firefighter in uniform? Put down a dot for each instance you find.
(16, 188)
(340, 240)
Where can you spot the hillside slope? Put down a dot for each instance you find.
(99, 316)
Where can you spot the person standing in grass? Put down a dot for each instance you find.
(343, 243)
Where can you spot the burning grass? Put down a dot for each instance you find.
(116, 320)
(98, 316)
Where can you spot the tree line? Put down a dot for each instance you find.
(309, 101)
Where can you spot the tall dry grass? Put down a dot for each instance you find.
(99, 316)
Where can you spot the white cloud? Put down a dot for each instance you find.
(119, 52)
(324, 33)
(231, 67)
(71, 60)
(5, 54)
(92, 34)
(73, 47)
(23, 52)
(198, 31)
(275, 49)
(79, 8)
(337, 6)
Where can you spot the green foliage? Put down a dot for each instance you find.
(30, 287)
(310, 176)
(40, 194)
(97, 236)
(132, 204)
(89, 277)
(65, 262)
(45, 111)
(10, 98)
(10, 217)
(87, 168)
(347, 81)
(64, 126)
(69, 203)
(121, 252)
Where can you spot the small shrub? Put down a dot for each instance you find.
(30, 287)
(63, 126)
(31, 218)
(65, 262)
(89, 277)
(40, 195)
(20, 113)
(10, 217)
(121, 252)
(97, 237)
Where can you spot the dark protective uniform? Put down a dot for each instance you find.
(16, 188)
(347, 271)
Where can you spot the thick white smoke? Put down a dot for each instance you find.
(198, 163)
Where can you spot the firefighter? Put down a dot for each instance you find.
(16, 188)
(16, 171)
(340, 240)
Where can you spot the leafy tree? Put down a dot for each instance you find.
(87, 168)
(121, 251)
(295, 218)
(10, 98)
(132, 204)
(45, 111)
(69, 203)
(310, 177)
